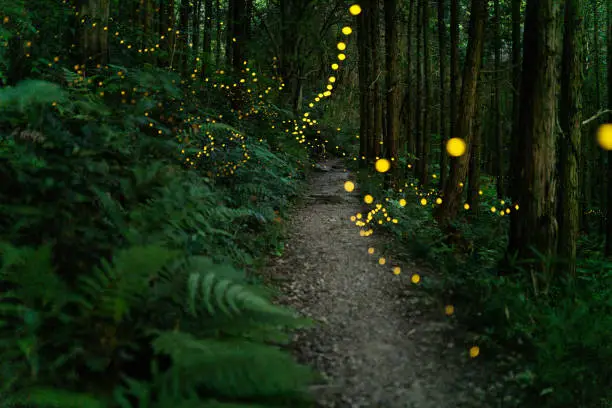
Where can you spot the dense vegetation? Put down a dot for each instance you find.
(150, 150)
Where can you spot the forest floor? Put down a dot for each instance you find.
(381, 341)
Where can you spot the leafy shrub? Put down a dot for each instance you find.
(123, 266)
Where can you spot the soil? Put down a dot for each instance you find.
(381, 341)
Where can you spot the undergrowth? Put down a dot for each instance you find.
(128, 251)
(557, 342)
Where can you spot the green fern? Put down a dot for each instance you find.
(46, 397)
(234, 368)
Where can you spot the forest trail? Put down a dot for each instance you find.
(380, 341)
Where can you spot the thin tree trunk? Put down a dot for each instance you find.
(419, 92)
(392, 82)
(467, 108)
(569, 148)
(454, 64)
(425, 135)
(364, 107)
(608, 248)
(443, 119)
(376, 70)
(499, 143)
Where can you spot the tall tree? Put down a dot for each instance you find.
(93, 35)
(535, 223)
(408, 110)
(570, 120)
(467, 109)
(376, 70)
(499, 144)
(425, 134)
(608, 249)
(516, 84)
(419, 92)
(207, 38)
(454, 63)
(364, 106)
(392, 83)
(443, 118)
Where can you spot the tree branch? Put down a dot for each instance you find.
(598, 114)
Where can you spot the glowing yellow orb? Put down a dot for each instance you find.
(455, 147)
(604, 136)
(402, 202)
(397, 270)
(449, 310)
(466, 206)
(438, 201)
(368, 199)
(341, 57)
(335, 66)
(382, 261)
(341, 46)
(332, 79)
(347, 30)
(423, 201)
(355, 9)
(382, 165)
(370, 251)
(415, 278)
(349, 186)
(474, 351)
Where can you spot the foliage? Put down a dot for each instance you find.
(560, 338)
(125, 268)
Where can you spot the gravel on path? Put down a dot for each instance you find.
(380, 341)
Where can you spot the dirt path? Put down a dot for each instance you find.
(380, 343)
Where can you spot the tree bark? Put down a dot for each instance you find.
(364, 107)
(443, 118)
(425, 134)
(499, 143)
(467, 108)
(536, 224)
(454, 64)
(94, 38)
(392, 83)
(419, 92)
(376, 70)
(569, 146)
(608, 248)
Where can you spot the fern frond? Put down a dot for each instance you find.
(233, 368)
(43, 397)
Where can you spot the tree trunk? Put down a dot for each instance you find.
(218, 14)
(183, 36)
(409, 92)
(207, 37)
(454, 64)
(499, 143)
(93, 37)
(536, 224)
(569, 148)
(364, 107)
(419, 93)
(514, 168)
(425, 135)
(392, 82)
(467, 108)
(376, 70)
(473, 197)
(443, 119)
(608, 249)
